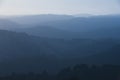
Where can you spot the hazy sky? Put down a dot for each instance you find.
(18, 7)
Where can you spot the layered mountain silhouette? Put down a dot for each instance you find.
(53, 42)
(96, 26)
(63, 25)
(25, 53)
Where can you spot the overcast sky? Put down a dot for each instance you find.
(23, 7)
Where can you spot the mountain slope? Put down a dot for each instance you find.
(34, 20)
(8, 25)
(110, 56)
(50, 32)
(91, 27)
(82, 24)
(24, 53)
(80, 27)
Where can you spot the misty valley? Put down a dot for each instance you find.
(60, 47)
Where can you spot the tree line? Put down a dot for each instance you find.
(77, 72)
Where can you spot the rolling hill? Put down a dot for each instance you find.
(25, 53)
